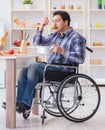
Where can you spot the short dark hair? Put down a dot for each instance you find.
(64, 15)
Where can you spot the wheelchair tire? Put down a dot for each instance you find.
(81, 97)
(50, 100)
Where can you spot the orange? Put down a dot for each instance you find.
(16, 20)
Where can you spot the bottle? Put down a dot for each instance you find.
(99, 4)
(104, 6)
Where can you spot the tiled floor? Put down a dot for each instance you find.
(54, 123)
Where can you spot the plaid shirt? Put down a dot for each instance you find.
(72, 42)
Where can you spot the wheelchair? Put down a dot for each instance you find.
(74, 96)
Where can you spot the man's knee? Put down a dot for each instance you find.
(36, 65)
(33, 67)
(23, 71)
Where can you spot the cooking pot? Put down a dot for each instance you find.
(44, 50)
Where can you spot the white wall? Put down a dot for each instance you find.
(5, 17)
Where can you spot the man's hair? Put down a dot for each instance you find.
(64, 15)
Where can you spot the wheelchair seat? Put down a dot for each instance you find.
(53, 75)
(56, 75)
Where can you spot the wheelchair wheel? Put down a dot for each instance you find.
(78, 98)
(50, 93)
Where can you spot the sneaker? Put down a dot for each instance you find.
(4, 105)
(22, 108)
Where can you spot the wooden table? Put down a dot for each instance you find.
(11, 89)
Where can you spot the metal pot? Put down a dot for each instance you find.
(44, 50)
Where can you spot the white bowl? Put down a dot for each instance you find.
(44, 50)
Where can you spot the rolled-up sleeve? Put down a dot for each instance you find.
(37, 38)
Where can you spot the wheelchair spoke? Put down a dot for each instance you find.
(83, 96)
(50, 103)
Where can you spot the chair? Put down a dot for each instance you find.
(73, 95)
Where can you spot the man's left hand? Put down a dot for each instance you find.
(57, 49)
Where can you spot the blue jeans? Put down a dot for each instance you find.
(27, 80)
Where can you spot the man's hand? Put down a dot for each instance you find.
(44, 23)
(57, 49)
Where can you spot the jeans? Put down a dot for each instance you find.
(28, 79)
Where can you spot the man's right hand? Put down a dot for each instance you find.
(44, 23)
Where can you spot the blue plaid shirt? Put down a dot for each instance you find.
(72, 42)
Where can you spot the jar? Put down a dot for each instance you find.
(62, 7)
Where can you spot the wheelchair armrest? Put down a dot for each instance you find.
(75, 66)
(63, 64)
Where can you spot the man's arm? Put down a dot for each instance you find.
(57, 49)
(39, 39)
(45, 22)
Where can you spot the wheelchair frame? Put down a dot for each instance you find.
(58, 104)
(76, 97)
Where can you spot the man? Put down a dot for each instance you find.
(67, 47)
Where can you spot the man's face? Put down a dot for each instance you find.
(59, 23)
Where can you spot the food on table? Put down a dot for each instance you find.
(11, 51)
